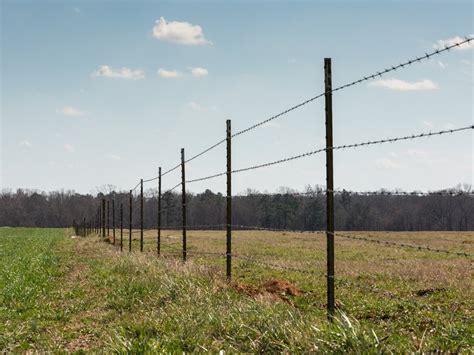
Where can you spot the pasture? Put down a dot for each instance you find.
(59, 293)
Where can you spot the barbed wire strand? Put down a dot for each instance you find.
(355, 82)
(346, 146)
(363, 193)
(171, 189)
(403, 245)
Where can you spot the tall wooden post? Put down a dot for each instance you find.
(158, 238)
(103, 218)
(113, 220)
(183, 202)
(141, 215)
(229, 202)
(121, 227)
(108, 218)
(329, 189)
(130, 225)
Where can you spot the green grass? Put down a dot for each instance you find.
(62, 294)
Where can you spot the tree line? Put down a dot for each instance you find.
(285, 209)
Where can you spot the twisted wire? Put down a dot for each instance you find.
(355, 82)
(403, 245)
(244, 227)
(365, 193)
(172, 189)
(346, 146)
(151, 179)
(136, 186)
(170, 170)
(205, 178)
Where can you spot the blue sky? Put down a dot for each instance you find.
(96, 93)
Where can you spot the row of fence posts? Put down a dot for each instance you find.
(101, 223)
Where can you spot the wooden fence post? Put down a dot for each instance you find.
(158, 238)
(183, 202)
(329, 189)
(229, 202)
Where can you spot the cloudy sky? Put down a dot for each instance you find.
(96, 93)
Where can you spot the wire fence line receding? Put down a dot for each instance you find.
(339, 147)
(136, 198)
(426, 56)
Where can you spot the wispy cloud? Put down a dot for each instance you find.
(77, 10)
(25, 144)
(442, 43)
(386, 163)
(169, 74)
(69, 148)
(197, 107)
(402, 85)
(417, 153)
(428, 124)
(113, 157)
(107, 71)
(198, 72)
(179, 32)
(70, 111)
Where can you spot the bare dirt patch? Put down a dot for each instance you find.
(274, 289)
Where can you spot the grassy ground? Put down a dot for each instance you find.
(59, 293)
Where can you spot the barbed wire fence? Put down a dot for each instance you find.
(105, 219)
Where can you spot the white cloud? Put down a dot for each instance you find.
(113, 157)
(25, 144)
(197, 107)
(122, 73)
(417, 153)
(70, 111)
(386, 163)
(69, 148)
(77, 10)
(441, 64)
(198, 72)
(179, 32)
(168, 74)
(401, 85)
(428, 124)
(465, 61)
(442, 43)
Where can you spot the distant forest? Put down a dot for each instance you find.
(283, 210)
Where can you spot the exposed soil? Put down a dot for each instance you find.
(277, 289)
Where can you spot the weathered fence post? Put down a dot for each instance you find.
(113, 220)
(158, 238)
(103, 218)
(130, 218)
(229, 202)
(329, 189)
(141, 215)
(183, 202)
(121, 227)
(74, 226)
(108, 218)
(84, 232)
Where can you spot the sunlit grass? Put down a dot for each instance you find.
(64, 294)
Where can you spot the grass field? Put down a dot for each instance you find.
(59, 293)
